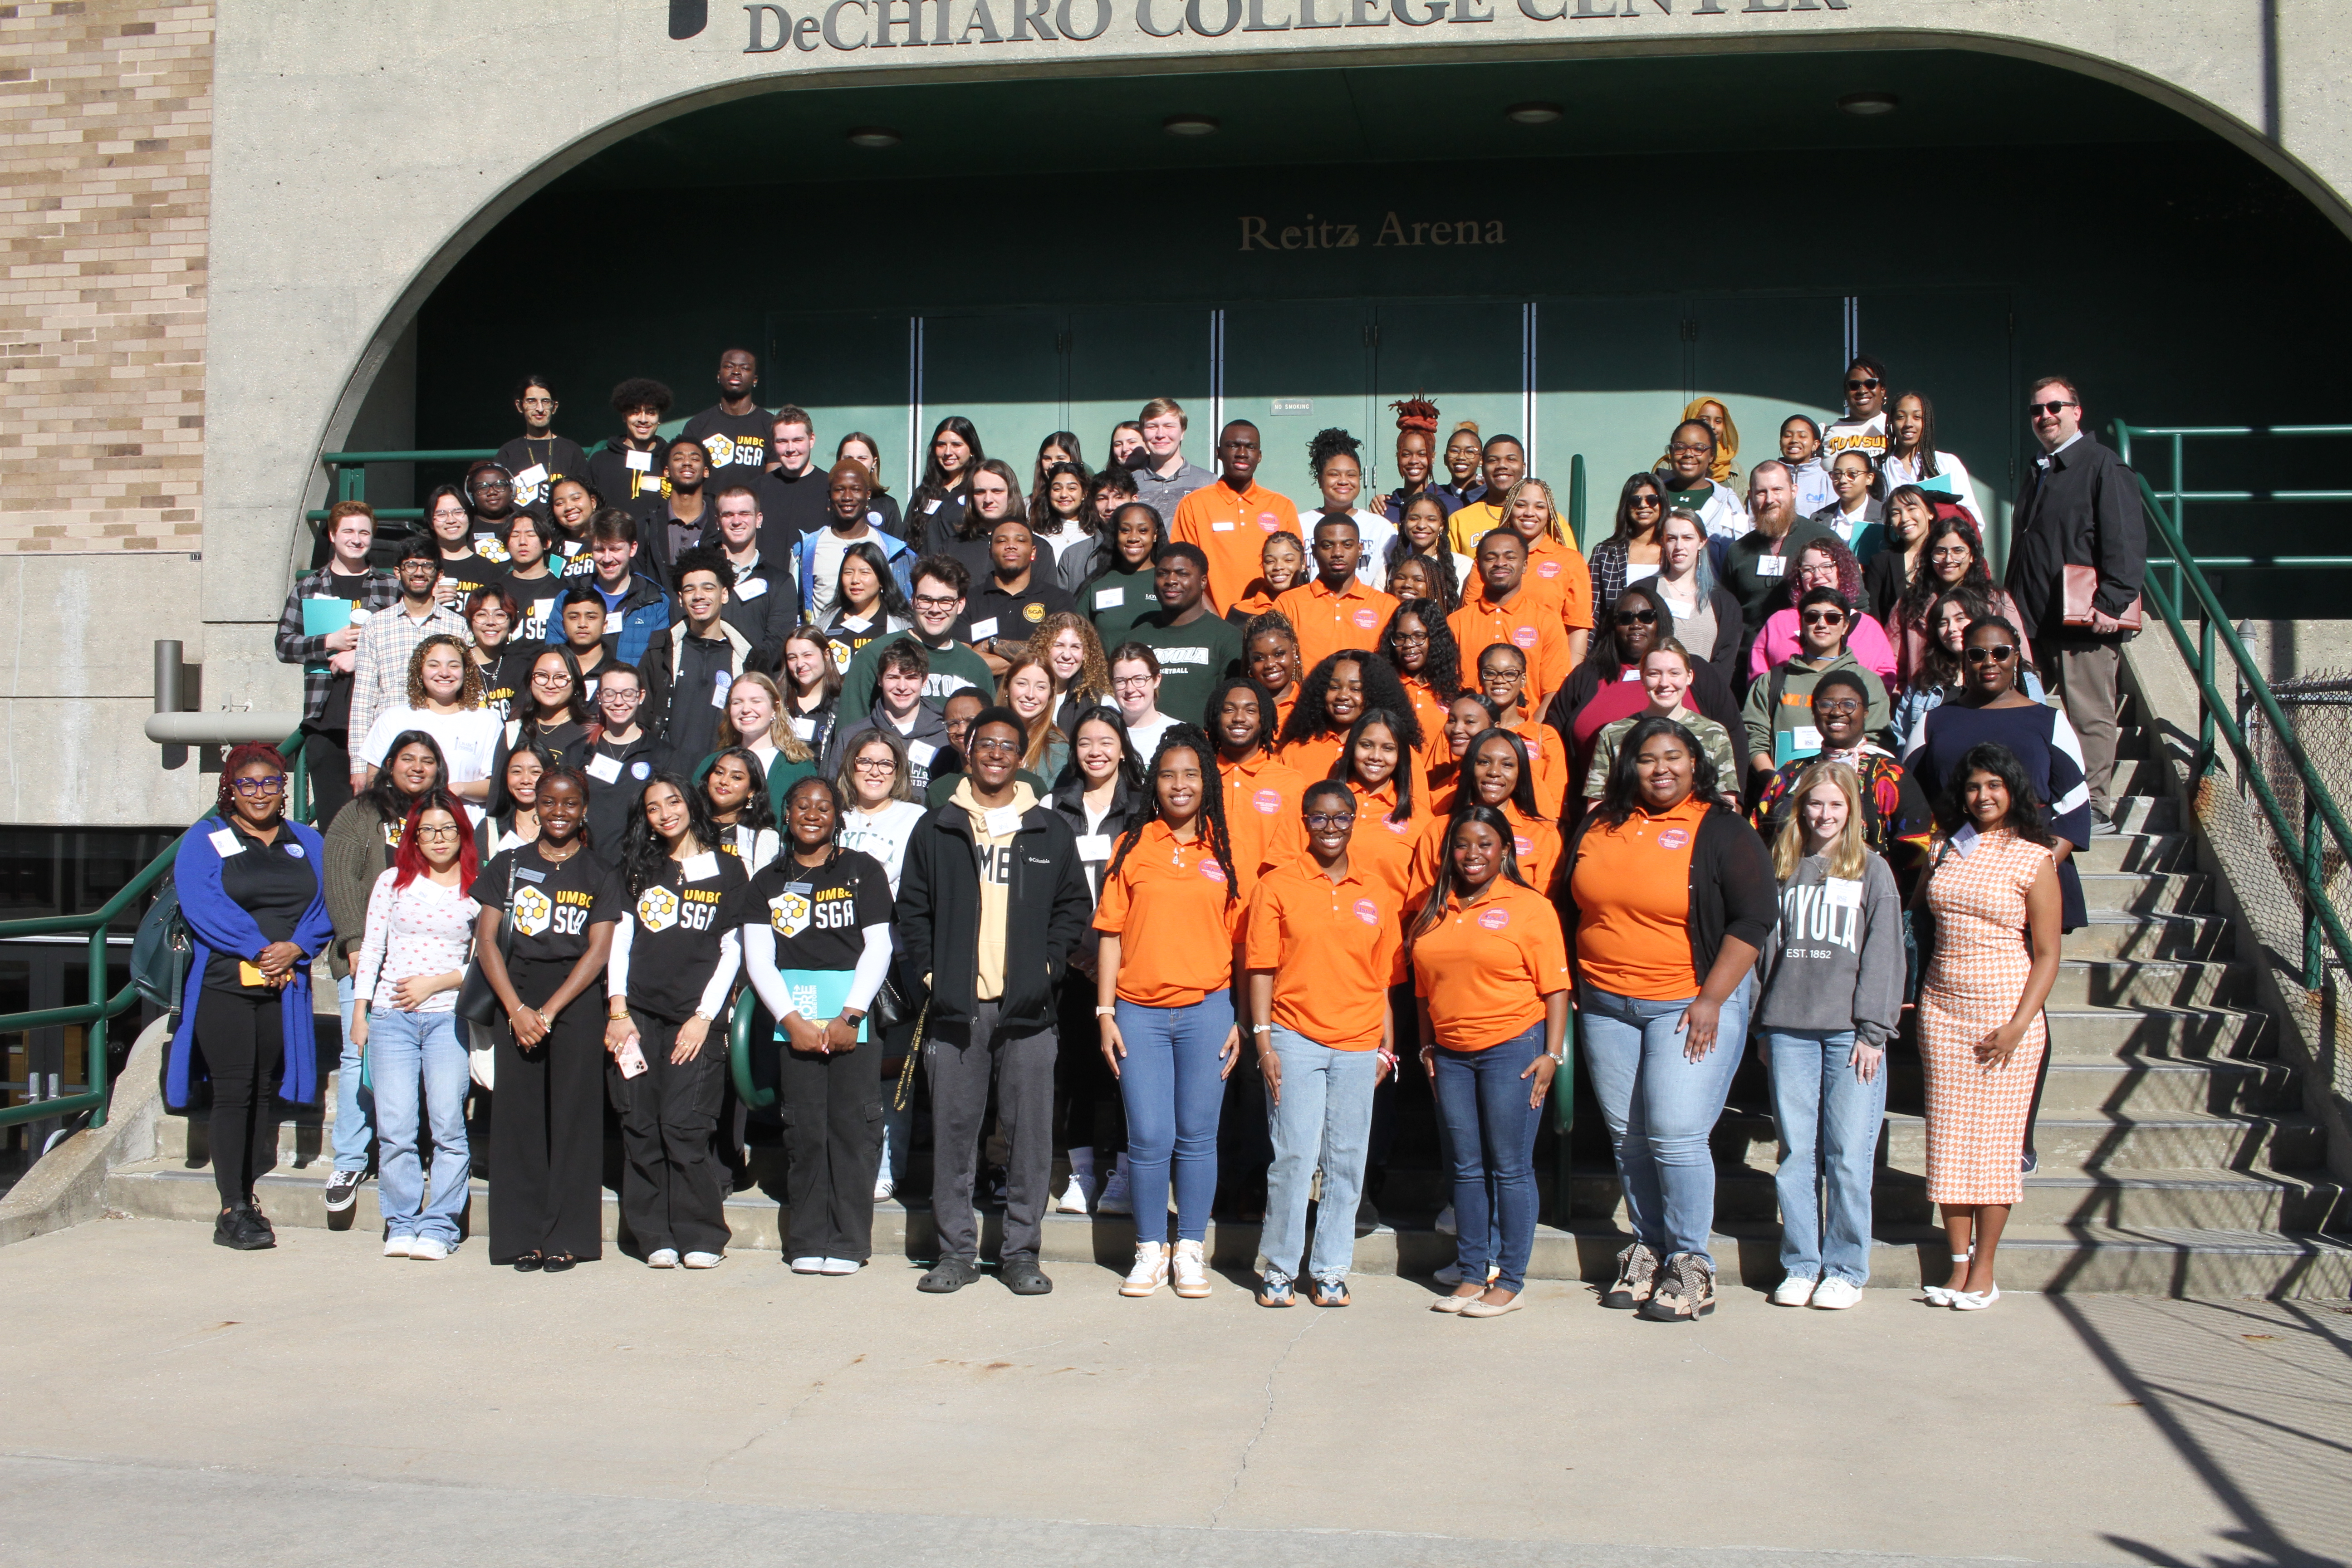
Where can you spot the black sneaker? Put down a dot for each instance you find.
(343, 1189)
(1024, 1278)
(259, 1221)
(235, 1228)
(949, 1274)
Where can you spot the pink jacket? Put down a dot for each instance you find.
(1866, 641)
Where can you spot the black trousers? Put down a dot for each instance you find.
(1087, 1109)
(244, 1042)
(833, 1133)
(547, 1142)
(326, 756)
(962, 1059)
(673, 1188)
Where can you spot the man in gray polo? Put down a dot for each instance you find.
(1163, 477)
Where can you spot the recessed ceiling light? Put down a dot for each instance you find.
(1869, 103)
(1189, 125)
(1532, 114)
(873, 136)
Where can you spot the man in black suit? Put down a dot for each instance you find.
(2080, 507)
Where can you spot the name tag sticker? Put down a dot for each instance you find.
(804, 727)
(1631, 672)
(1221, 528)
(638, 462)
(1809, 738)
(701, 868)
(752, 588)
(1001, 820)
(986, 628)
(226, 842)
(1771, 565)
(1638, 574)
(528, 875)
(929, 506)
(719, 686)
(1110, 598)
(921, 752)
(1844, 892)
(603, 769)
(1094, 846)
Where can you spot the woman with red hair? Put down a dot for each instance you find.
(420, 925)
(247, 881)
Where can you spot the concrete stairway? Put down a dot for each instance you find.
(2173, 1159)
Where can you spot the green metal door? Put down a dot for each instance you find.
(1609, 375)
(1468, 358)
(1291, 369)
(1955, 346)
(1120, 360)
(850, 372)
(1765, 357)
(1004, 372)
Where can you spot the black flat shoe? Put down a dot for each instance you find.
(557, 1262)
(529, 1263)
(1024, 1278)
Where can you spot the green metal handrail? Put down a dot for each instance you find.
(101, 1008)
(2178, 495)
(349, 469)
(2216, 714)
(739, 1052)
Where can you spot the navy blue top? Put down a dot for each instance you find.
(2045, 746)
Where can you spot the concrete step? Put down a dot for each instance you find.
(2148, 982)
(2139, 773)
(2087, 1258)
(2145, 892)
(2148, 814)
(2142, 1086)
(2117, 933)
(2078, 1143)
(2138, 852)
(2186, 1033)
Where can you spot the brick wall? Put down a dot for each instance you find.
(106, 149)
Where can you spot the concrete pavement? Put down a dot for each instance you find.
(169, 1398)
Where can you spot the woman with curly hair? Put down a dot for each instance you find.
(1168, 916)
(1335, 461)
(1282, 566)
(1951, 556)
(1333, 695)
(250, 892)
(1422, 532)
(1065, 644)
(1270, 657)
(445, 700)
(1823, 564)
(1419, 643)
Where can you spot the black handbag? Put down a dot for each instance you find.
(477, 1002)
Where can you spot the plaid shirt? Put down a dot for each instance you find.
(293, 648)
(380, 680)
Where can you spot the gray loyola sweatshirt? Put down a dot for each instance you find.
(1835, 961)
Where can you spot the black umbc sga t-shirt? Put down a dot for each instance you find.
(274, 883)
(736, 445)
(675, 928)
(819, 913)
(554, 905)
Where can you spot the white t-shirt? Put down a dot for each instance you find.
(882, 834)
(1145, 737)
(468, 739)
(824, 573)
(1896, 472)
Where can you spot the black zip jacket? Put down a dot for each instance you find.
(1733, 893)
(1069, 803)
(2083, 509)
(1046, 915)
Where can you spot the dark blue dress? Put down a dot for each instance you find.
(2045, 744)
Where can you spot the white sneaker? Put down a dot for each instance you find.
(427, 1249)
(1836, 1295)
(840, 1266)
(705, 1259)
(1449, 1276)
(1190, 1271)
(1113, 1197)
(884, 1189)
(808, 1264)
(1074, 1196)
(664, 1257)
(1794, 1292)
(1443, 1224)
(1151, 1269)
(398, 1246)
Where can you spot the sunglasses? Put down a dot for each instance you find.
(1636, 617)
(1824, 617)
(1866, 384)
(2000, 653)
(2050, 408)
(1642, 503)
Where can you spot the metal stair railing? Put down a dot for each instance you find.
(350, 471)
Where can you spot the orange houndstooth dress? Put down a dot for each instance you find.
(1976, 1114)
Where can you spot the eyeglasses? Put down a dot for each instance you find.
(877, 766)
(550, 677)
(1690, 447)
(1824, 617)
(1636, 617)
(2050, 408)
(998, 747)
(1412, 639)
(1863, 384)
(1950, 553)
(1319, 819)
(2000, 653)
(274, 784)
(1131, 682)
(1836, 705)
(619, 696)
(936, 602)
(448, 831)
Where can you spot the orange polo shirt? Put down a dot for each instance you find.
(1561, 570)
(1176, 927)
(1549, 753)
(1530, 622)
(1262, 814)
(1284, 701)
(1485, 968)
(1313, 759)
(1632, 886)
(1252, 605)
(1535, 841)
(1327, 623)
(1382, 849)
(1335, 948)
(1231, 529)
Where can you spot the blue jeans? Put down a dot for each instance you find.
(1324, 1117)
(354, 1106)
(1171, 1084)
(405, 1049)
(1828, 1122)
(1484, 1101)
(1660, 1107)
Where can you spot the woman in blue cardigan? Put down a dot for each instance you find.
(250, 891)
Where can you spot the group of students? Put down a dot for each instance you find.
(1072, 835)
